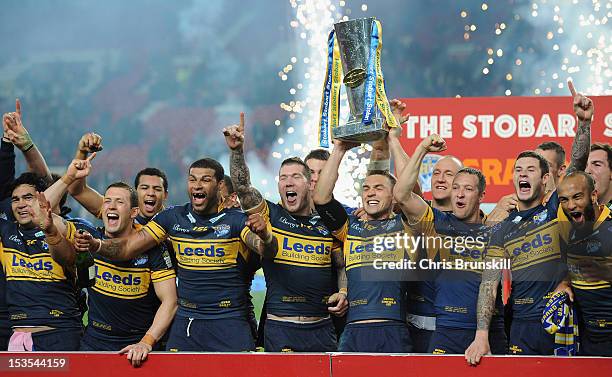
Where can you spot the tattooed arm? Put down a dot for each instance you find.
(260, 239)
(484, 312)
(583, 108)
(124, 248)
(249, 197)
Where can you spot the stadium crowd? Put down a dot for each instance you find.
(177, 278)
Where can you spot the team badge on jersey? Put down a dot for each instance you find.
(141, 260)
(222, 230)
(540, 217)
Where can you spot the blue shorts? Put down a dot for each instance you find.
(594, 344)
(210, 335)
(420, 339)
(448, 341)
(300, 337)
(377, 337)
(530, 338)
(57, 340)
(95, 340)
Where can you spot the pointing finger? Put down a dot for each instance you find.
(241, 121)
(570, 85)
(18, 106)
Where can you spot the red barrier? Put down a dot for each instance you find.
(101, 364)
(456, 366)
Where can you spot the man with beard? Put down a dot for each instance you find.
(599, 166)
(299, 277)
(587, 246)
(377, 305)
(211, 247)
(125, 313)
(457, 238)
(529, 237)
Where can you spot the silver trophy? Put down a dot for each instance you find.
(354, 38)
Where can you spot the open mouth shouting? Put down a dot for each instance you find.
(291, 197)
(372, 202)
(198, 198)
(112, 219)
(577, 216)
(524, 187)
(149, 205)
(460, 204)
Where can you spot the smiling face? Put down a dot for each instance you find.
(465, 197)
(203, 190)
(117, 212)
(23, 202)
(529, 182)
(294, 189)
(442, 177)
(151, 195)
(577, 202)
(377, 196)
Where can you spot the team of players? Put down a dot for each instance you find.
(179, 277)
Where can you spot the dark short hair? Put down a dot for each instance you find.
(482, 182)
(579, 173)
(39, 183)
(229, 184)
(297, 161)
(209, 163)
(317, 154)
(154, 172)
(130, 189)
(385, 173)
(554, 146)
(543, 163)
(606, 147)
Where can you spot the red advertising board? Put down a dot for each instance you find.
(489, 132)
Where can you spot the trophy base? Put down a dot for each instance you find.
(359, 132)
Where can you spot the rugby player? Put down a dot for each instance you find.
(299, 277)
(211, 247)
(554, 153)
(377, 301)
(529, 237)
(599, 166)
(457, 238)
(587, 247)
(41, 293)
(125, 313)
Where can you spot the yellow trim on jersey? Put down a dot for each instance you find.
(161, 275)
(313, 265)
(156, 231)
(516, 267)
(70, 231)
(341, 233)
(209, 240)
(122, 269)
(287, 233)
(535, 231)
(116, 295)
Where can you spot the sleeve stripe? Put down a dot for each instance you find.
(70, 231)
(156, 231)
(157, 276)
(341, 233)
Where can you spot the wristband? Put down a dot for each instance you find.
(29, 143)
(149, 340)
(66, 180)
(269, 239)
(344, 291)
(99, 246)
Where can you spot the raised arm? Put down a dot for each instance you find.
(583, 108)
(77, 170)
(79, 190)
(329, 174)
(61, 250)
(250, 198)
(260, 239)
(412, 205)
(19, 136)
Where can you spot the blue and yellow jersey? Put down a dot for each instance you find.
(459, 248)
(122, 302)
(299, 279)
(372, 293)
(39, 291)
(584, 249)
(211, 256)
(530, 239)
